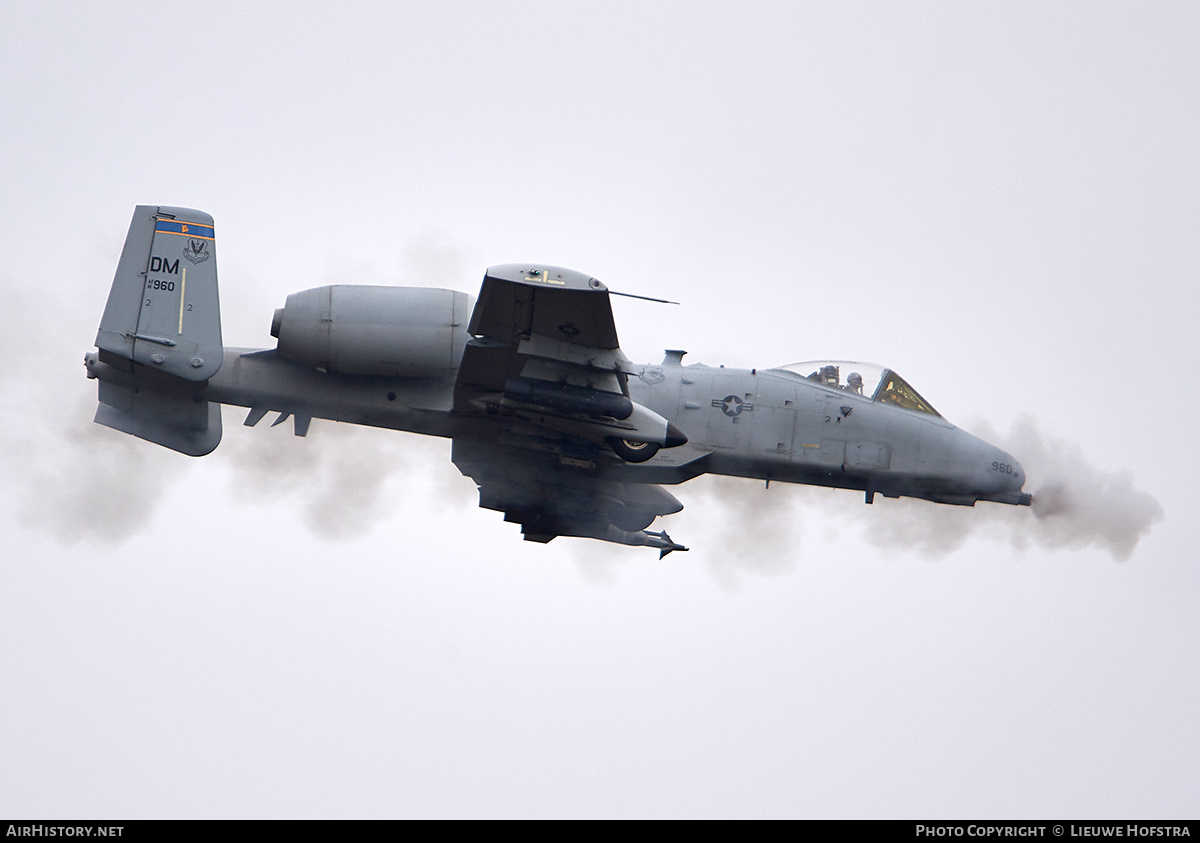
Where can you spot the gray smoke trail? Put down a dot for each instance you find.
(734, 526)
(339, 473)
(1075, 503)
(68, 479)
(76, 481)
(599, 562)
(739, 527)
(760, 534)
(928, 528)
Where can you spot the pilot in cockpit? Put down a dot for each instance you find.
(828, 375)
(854, 383)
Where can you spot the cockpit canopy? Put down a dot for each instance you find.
(866, 379)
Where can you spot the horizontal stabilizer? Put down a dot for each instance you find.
(179, 422)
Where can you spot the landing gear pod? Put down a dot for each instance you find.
(631, 451)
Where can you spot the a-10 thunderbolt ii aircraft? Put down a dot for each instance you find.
(558, 428)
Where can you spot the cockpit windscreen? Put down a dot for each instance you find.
(895, 390)
(866, 379)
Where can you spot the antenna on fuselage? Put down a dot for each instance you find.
(643, 298)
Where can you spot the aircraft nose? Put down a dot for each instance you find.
(991, 473)
(1018, 474)
(1018, 477)
(1010, 477)
(1007, 470)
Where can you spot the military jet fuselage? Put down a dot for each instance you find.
(561, 432)
(874, 434)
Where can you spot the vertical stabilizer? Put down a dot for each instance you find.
(163, 309)
(160, 336)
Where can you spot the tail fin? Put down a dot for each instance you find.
(163, 309)
(160, 336)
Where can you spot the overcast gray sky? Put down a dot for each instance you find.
(1001, 201)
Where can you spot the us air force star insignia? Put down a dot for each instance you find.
(731, 405)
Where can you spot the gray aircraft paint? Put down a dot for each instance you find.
(561, 432)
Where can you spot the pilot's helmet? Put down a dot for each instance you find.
(854, 381)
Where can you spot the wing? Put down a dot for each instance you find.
(545, 380)
(551, 494)
(544, 348)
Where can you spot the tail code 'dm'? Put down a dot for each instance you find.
(158, 264)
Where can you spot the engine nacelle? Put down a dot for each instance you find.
(392, 331)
